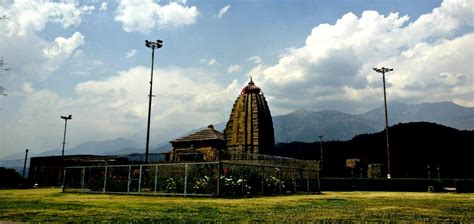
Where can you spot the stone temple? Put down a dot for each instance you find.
(250, 125)
(248, 133)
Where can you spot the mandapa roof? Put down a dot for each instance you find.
(207, 134)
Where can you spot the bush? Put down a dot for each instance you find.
(9, 178)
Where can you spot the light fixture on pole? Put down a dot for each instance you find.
(383, 70)
(152, 45)
(65, 127)
(62, 171)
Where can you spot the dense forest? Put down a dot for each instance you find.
(418, 149)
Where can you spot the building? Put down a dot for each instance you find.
(199, 146)
(47, 170)
(250, 125)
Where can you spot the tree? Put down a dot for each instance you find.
(9, 178)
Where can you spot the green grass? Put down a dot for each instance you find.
(52, 205)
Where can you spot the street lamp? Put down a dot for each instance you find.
(383, 70)
(152, 45)
(65, 126)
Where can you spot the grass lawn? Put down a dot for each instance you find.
(52, 205)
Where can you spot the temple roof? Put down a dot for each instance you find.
(251, 88)
(207, 134)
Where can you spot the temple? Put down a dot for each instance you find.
(250, 125)
(249, 131)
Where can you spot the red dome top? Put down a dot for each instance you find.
(251, 88)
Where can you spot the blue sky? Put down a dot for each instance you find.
(88, 59)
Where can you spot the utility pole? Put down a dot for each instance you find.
(383, 70)
(152, 45)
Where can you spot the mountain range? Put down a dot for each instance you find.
(306, 126)
(303, 126)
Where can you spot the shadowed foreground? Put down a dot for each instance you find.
(51, 205)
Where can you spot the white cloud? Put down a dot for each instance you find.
(255, 59)
(223, 11)
(32, 58)
(32, 16)
(144, 16)
(103, 6)
(117, 106)
(63, 46)
(234, 68)
(132, 53)
(210, 61)
(335, 66)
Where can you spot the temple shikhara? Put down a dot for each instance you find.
(250, 126)
(248, 131)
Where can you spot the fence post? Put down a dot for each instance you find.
(218, 177)
(140, 179)
(64, 179)
(293, 178)
(83, 174)
(128, 180)
(263, 179)
(105, 179)
(307, 180)
(156, 178)
(242, 178)
(185, 179)
(279, 179)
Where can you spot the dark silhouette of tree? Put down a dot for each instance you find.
(414, 147)
(9, 178)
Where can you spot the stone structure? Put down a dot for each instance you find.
(199, 146)
(250, 126)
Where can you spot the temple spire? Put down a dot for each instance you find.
(250, 125)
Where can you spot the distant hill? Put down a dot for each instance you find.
(414, 146)
(95, 147)
(300, 125)
(303, 125)
(445, 113)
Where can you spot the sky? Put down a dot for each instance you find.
(89, 59)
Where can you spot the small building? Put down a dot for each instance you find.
(199, 146)
(47, 170)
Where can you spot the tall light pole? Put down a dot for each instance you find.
(24, 164)
(65, 127)
(383, 70)
(62, 171)
(152, 45)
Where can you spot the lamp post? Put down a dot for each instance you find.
(383, 70)
(65, 127)
(62, 171)
(24, 164)
(152, 45)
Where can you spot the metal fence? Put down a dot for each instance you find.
(234, 178)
